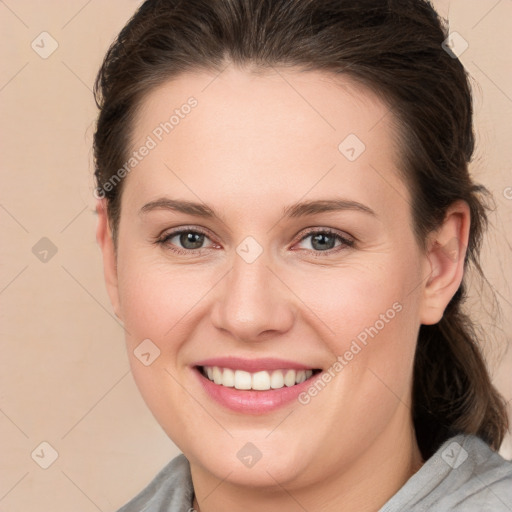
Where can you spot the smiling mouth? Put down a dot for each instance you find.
(256, 381)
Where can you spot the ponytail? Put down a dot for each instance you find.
(452, 390)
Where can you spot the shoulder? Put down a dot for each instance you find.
(171, 490)
(464, 474)
(485, 484)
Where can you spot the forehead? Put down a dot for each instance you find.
(258, 136)
(307, 105)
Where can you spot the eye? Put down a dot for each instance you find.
(323, 240)
(185, 241)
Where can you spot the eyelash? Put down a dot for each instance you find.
(345, 242)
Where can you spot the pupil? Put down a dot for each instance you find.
(191, 240)
(323, 242)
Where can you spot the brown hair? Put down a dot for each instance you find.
(393, 47)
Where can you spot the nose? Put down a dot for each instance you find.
(252, 304)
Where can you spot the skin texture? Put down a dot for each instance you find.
(254, 145)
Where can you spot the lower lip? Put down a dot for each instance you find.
(250, 401)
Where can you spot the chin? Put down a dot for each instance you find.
(259, 464)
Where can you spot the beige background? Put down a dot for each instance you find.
(64, 372)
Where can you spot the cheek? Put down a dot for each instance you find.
(158, 304)
(368, 316)
(156, 298)
(347, 301)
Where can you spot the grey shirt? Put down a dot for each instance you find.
(463, 475)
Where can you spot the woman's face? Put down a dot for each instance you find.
(297, 253)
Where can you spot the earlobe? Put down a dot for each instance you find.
(444, 262)
(106, 243)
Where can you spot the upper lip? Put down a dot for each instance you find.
(253, 365)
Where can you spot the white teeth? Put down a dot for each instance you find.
(260, 381)
(300, 377)
(217, 375)
(228, 378)
(243, 380)
(277, 379)
(289, 378)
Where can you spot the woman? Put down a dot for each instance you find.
(286, 216)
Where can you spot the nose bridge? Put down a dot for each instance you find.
(253, 301)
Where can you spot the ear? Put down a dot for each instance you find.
(446, 252)
(106, 243)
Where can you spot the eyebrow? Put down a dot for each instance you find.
(301, 209)
(325, 205)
